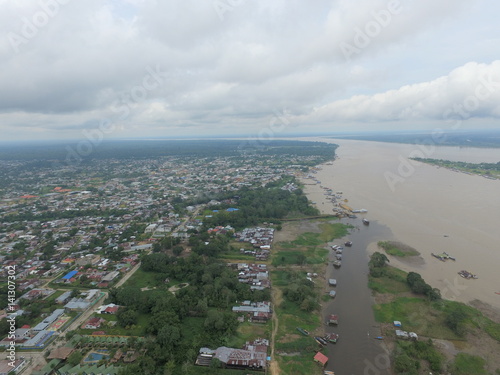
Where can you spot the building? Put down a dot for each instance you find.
(321, 358)
(252, 356)
(6, 368)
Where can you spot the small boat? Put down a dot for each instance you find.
(379, 338)
(332, 337)
(333, 319)
(327, 372)
(332, 282)
(366, 222)
(337, 263)
(303, 331)
(320, 340)
(332, 293)
(348, 243)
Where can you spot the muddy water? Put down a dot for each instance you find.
(357, 352)
(431, 209)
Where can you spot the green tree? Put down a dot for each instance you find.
(75, 358)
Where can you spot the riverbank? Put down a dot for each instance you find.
(430, 209)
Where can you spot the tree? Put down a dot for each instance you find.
(126, 317)
(168, 336)
(378, 260)
(177, 250)
(75, 358)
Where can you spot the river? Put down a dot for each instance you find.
(431, 209)
(357, 352)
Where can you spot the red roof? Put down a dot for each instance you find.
(321, 358)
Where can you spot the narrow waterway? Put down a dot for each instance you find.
(357, 351)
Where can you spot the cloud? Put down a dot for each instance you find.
(83, 61)
(472, 90)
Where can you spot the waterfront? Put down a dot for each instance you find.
(431, 209)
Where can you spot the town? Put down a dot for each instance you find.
(87, 240)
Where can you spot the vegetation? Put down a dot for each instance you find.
(408, 357)
(467, 364)
(295, 297)
(397, 249)
(486, 169)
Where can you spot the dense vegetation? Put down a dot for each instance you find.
(197, 315)
(487, 169)
(257, 205)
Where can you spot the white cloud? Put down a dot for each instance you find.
(472, 90)
(234, 71)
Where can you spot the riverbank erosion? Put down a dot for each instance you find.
(433, 210)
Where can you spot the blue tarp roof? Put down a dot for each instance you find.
(232, 209)
(69, 275)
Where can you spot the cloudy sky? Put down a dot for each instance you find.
(143, 68)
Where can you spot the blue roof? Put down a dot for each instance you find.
(232, 209)
(69, 275)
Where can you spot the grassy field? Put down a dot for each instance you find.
(466, 364)
(248, 332)
(397, 249)
(309, 247)
(394, 281)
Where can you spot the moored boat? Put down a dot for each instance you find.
(332, 337)
(303, 331)
(320, 340)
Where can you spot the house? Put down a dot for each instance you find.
(252, 356)
(93, 323)
(321, 358)
(108, 309)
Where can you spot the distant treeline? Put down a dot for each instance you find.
(492, 169)
(41, 154)
(461, 139)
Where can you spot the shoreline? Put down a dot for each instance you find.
(472, 242)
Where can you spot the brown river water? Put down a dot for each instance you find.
(431, 209)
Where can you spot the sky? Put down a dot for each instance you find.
(269, 68)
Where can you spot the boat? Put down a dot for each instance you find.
(320, 340)
(332, 293)
(332, 282)
(337, 263)
(379, 338)
(332, 319)
(338, 256)
(360, 211)
(366, 222)
(327, 372)
(348, 243)
(303, 331)
(332, 337)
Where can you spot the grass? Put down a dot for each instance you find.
(417, 315)
(397, 249)
(142, 279)
(248, 332)
(466, 364)
(393, 281)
